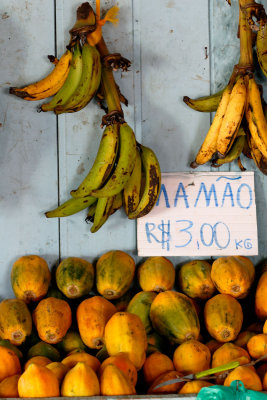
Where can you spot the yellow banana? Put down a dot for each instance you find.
(261, 46)
(256, 118)
(103, 163)
(205, 103)
(49, 85)
(89, 82)
(70, 207)
(70, 84)
(131, 192)
(125, 164)
(234, 152)
(102, 212)
(232, 118)
(209, 146)
(259, 159)
(152, 183)
(117, 203)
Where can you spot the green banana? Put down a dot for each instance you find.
(205, 103)
(234, 152)
(71, 83)
(102, 212)
(70, 207)
(261, 46)
(91, 213)
(89, 82)
(131, 192)
(125, 164)
(152, 183)
(103, 163)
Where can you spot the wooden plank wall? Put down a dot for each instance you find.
(177, 48)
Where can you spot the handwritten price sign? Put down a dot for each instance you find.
(201, 214)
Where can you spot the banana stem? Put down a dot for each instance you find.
(111, 91)
(245, 33)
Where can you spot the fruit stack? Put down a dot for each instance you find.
(125, 172)
(117, 329)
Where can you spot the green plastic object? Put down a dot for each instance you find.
(236, 391)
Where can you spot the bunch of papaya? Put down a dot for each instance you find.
(114, 328)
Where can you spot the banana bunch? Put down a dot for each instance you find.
(239, 125)
(124, 173)
(73, 83)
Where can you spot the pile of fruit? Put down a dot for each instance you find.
(240, 122)
(120, 329)
(124, 173)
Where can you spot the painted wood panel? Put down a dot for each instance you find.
(28, 140)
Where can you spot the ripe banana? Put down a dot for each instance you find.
(91, 213)
(70, 207)
(49, 85)
(103, 163)
(125, 164)
(117, 203)
(232, 118)
(209, 146)
(152, 183)
(256, 118)
(234, 152)
(71, 83)
(259, 159)
(102, 212)
(89, 82)
(131, 192)
(206, 103)
(261, 46)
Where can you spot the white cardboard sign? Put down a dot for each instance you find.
(201, 214)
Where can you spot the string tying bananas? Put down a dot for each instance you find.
(240, 103)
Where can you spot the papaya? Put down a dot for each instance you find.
(155, 342)
(81, 380)
(233, 275)
(92, 317)
(124, 364)
(243, 338)
(113, 382)
(9, 387)
(52, 318)
(194, 279)
(265, 327)
(40, 360)
(122, 302)
(15, 321)
(260, 297)
(10, 364)
(257, 345)
(114, 274)
(30, 278)
(155, 365)
(81, 356)
(229, 352)
(75, 277)
(58, 369)
(247, 375)
(156, 274)
(6, 343)
(126, 333)
(38, 381)
(213, 345)
(140, 305)
(194, 386)
(191, 356)
(171, 388)
(264, 382)
(44, 349)
(223, 317)
(71, 341)
(173, 316)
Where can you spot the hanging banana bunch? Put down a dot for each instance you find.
(239, 125)
(125, 173)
